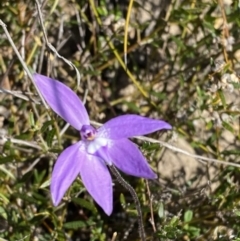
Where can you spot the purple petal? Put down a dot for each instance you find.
(126, 156)
(98, 182)
(62, 100)
(65, 171)
(126, 126)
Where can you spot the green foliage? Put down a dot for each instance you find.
(182, 66)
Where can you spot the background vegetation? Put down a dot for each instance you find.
(175, 60)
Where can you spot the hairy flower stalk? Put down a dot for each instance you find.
(135, 198)
(98, 148)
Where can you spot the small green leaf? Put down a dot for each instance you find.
(50, 136)
(222, 97)
(25, 136)
(46, 125)
(122, 200)
(3, 213)
(39, 197)
(31, 119)
(102, 10)
(174, 221)
(178, 42)
(6, 159)
(132, 106)
(25, 197)
(45, 184)
(194, 231)
(75, 225)
(39, 175)
(86, 204)
(230, 152)
(209, 26)
(188, 215)
(161, 212)
(227, 126)
(3, 198)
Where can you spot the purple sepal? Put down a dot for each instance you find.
(62, 100)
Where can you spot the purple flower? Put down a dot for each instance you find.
(98, 148)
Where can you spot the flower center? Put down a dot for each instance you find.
(88, 133)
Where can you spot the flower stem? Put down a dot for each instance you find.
(126, 185)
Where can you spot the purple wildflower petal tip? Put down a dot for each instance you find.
(62, 100)
(126, 156)
(98, 182)
(65, 171)
(126, 126)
